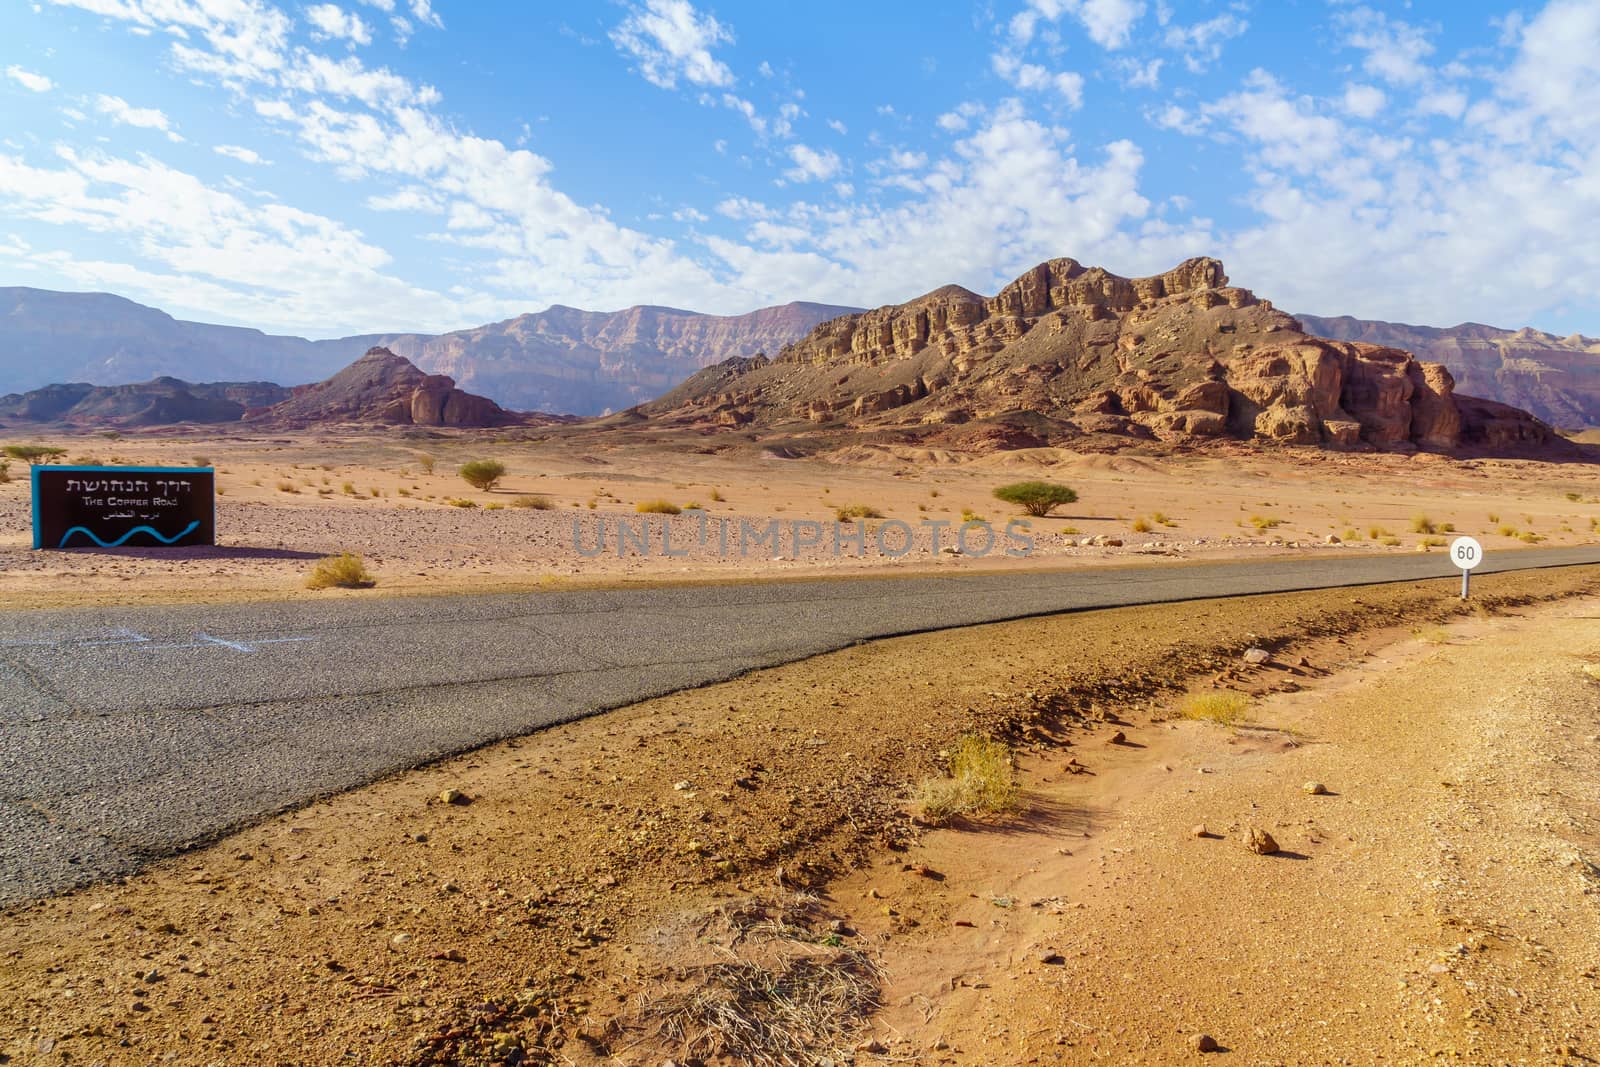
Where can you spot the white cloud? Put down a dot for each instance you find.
(120, 111)
(35, 83)
(1109, 23)
(1396, 51)
(811, 165)
(1201, 44)
(1363, 101)
(422, 11)
(332, 21)
(242, 154)
(670, 40)
(1031, 77)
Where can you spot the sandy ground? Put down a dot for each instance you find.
(744, 863)
(287, 501)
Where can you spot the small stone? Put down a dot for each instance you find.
(454, 796)
(1332, 539)
(420, 839)
(1256, 655)
(1203, 1043)
(681, 786)
(872, 1047)
(400, 940)
(1118, 738)
(1052, 959)
(1260, 842)
(1199, 830)
(1316, 789)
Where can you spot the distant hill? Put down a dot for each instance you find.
(382, 387)
(560, 360)
(1555, 378)
(161, 402)
(1069, 354)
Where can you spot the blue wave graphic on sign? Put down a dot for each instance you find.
(179, 536)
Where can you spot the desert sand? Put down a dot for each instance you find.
(711, 875)
(286, 501)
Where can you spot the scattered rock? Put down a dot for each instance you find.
(1332, 539)
(1118, 738)
(1052, 958)
(400, 940)
(872, 1047)
(1203, 1043)
(1256, 655)
(1260, 842)
(1199, 830)
(454, 796)
(1316, 789)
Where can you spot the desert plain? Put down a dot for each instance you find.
(285, 501)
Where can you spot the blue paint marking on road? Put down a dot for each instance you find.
(204, 640)
(118, 543)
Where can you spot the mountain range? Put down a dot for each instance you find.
(561, 360)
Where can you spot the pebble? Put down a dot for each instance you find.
(1256, 655)
(1199, 830)
(1316, 789)
(1260, 842)
(1118, 738)
(454, 796)
(400, 939)
(1203, 1043)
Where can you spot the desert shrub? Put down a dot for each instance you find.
(856, 511)
(1447, 527)
(5, 471)
(968, 515)
(1529, 537)
(1506, 531)
(497, 506)
(425, 462)
(1265, 522)
(1161, 518)
(461, 502)
(1142, 525)
(1224, 707)
(1390, 542)
(1494, 517)
(717, 496)
(1069, 530)
(1421, 524)
(981, 782)
(1574, 497)
(349, 489)
(287, 487)
(1036, 498)
(33, 455)
(657, 507)
(1433, 542)
(200, 461)
(533, 502)
(1351, 534)
(483, 473)
(694, 506)
(374, 493)
(1433, 635)
(403, 491)
(344, 571)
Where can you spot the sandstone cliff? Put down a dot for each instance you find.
(1554, 378)
(1067, 352)
(382, 387)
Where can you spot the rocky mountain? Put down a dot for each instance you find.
(163, 401)
(562, 359)
(1067, 352)
(382, 387)
(1554, 378)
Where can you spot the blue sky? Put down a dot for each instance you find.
(328, 168)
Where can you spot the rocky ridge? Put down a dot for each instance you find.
(1556, 379)
(1067, 352)
(163, 401)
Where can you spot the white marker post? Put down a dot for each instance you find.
(1466, 553)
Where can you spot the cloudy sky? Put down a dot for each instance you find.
(365, 165)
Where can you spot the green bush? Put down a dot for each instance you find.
(34, 454)
(1036, 498)
(483, 473)
(344, 571)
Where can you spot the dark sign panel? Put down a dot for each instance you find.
(108, 507)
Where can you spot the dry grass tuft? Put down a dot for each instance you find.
(1224, 707)
(657, 507)
(856, 511)
(344, 571)
(533, 501)
(981, 782)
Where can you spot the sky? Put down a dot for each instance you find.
(330, 168)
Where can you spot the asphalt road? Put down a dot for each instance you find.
(129, 733)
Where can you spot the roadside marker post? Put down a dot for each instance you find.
(1466, 553)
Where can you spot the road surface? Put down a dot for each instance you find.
(129, 733)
